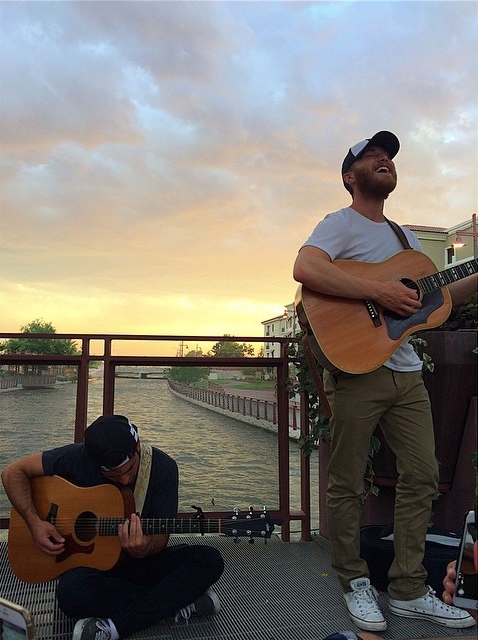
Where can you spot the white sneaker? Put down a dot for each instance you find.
(429, 607)
(363, 606)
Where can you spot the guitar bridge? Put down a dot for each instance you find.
(373, 313)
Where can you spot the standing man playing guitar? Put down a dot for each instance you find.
(152, 580)
(392, 394)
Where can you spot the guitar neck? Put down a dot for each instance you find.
(109, 526)
(448, 276)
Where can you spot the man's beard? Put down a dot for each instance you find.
(373, 185)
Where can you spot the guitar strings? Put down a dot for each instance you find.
(89, 523)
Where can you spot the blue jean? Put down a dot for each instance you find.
(137, 593)
(399, 401)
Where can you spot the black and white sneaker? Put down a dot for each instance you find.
(206, 605)
(92, 629)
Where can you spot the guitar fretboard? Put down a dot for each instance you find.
(109, 526)
(447, 276)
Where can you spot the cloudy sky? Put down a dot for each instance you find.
(162, 162)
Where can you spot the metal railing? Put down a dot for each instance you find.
(252, 407)
(105, 348)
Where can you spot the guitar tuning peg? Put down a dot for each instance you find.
(236, 511)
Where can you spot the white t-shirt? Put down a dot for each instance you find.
(347, 235)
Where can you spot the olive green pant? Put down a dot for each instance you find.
(400, 402)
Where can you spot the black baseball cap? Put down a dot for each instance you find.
(384, 139)
(111, 441)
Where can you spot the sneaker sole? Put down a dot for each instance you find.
(215, 600)
(368, 626)
(77, 633)
(445, 622)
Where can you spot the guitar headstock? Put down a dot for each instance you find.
(249, 525)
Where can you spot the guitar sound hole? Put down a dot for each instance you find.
(411, 285)
(85, 526)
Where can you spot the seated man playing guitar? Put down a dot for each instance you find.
(151, 580)
(390, 391)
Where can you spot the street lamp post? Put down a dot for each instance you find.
(459, 240)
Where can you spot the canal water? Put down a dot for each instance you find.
(223, 462)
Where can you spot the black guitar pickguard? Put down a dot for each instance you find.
(397, 325)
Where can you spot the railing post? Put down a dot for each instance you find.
(108, 380)
(283, 441)
(305, 472)
(81, 413)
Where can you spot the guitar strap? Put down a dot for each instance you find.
(312, 364)
(142, 479)
(399, 231)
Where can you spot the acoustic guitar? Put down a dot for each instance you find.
(88, 519)
(357, 336)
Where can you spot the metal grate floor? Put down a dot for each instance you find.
(273, 591)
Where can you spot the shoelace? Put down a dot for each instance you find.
(437, 604)
(431, 596)
(366, 599)
(184, 613)
(103, 632)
